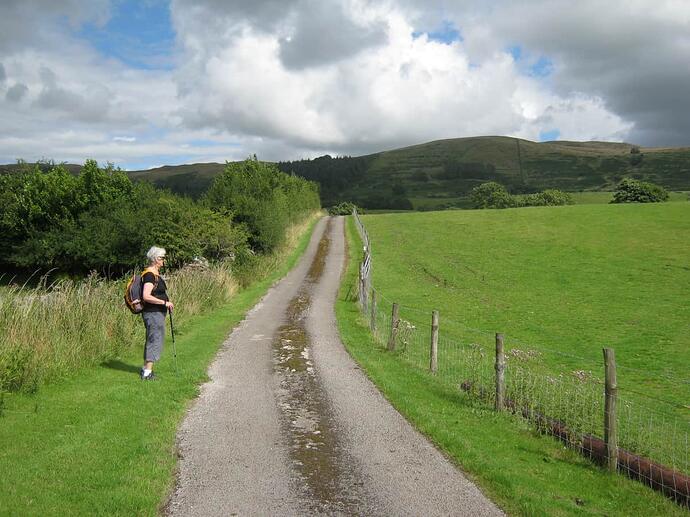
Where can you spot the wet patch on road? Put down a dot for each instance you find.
(329, 477)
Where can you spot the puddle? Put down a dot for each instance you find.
(328, 475)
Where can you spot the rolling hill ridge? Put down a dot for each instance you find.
(442, 173)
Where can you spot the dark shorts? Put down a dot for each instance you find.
(155, 335)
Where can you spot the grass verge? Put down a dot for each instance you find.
(523, 472)
(103, 442)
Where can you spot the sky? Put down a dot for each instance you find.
(152, 82)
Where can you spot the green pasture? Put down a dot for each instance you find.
(565, 281)
(524, 472)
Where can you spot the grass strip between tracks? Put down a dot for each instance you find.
(103, 442)
(523, 472)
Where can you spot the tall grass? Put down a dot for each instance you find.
(47, 333)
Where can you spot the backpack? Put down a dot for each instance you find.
(134, 291)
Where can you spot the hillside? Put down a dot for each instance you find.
(441, 174)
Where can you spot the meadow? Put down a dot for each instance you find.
(571, 279)
(521, 470)
(561, 284)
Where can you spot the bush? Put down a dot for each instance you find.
(100, 221)
(344, 208)
(492, 195)
(263, 199)
(549, 197)
(634, 191)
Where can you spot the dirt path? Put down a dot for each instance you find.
(289, 425)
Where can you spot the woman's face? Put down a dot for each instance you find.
(160, 262)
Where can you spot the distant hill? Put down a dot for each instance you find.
(441, 174)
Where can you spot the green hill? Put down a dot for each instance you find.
(441, 174)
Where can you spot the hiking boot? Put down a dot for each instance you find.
(149, 377)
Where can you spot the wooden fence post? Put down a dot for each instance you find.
(433, 361)
(395, 321)
(610, 420)
(372, 320)
(500, 373)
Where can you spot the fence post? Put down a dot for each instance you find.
(433, 361)
(372, 320)
(395, 321)
(500, 373)
(359, 290)
(610, 420)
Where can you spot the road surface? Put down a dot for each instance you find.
(289, 425)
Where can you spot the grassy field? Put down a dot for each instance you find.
(561, 283)
(524, 472)
(573, 279)
(103, 442)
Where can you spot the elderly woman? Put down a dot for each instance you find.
(156, 305)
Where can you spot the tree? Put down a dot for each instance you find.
(492, 195)
(634, 191)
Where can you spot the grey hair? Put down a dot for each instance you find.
(154, 252)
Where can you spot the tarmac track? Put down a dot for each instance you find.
(289, 425)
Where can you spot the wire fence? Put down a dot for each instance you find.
(642, 436)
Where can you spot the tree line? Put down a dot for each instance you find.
(100, 220)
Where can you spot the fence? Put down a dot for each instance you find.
(581, 403)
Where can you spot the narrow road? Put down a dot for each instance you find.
(289, 425)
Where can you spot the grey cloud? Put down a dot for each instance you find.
(217, 16)
(32, 24)
(3, 75)
(325, 34)
(17, 92)
(90, 106)
(635, 60)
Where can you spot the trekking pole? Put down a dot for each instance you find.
(172, 333)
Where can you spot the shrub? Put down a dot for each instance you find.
(492, 195)
(263, 199)
(634, 191)
(344, 208)
(549, 197)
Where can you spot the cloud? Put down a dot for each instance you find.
(306, 45)
(128, 139)
(17, 92)
(630, 55)
(3, 75)
(275, 82)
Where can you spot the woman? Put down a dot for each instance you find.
(156, 304)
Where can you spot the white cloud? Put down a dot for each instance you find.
(405, 90)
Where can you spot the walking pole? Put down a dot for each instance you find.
(172, 333)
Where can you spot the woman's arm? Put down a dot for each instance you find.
(149, 298)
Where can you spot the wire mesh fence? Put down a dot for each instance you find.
(561, 394)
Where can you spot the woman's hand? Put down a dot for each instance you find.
(169, 306)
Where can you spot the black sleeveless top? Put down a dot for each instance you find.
(159, 291)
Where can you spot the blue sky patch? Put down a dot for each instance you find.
(447, 34)
(548, 136)
(542, 68)
(138, 33)
(516, 52)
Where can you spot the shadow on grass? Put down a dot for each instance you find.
(116, 364)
